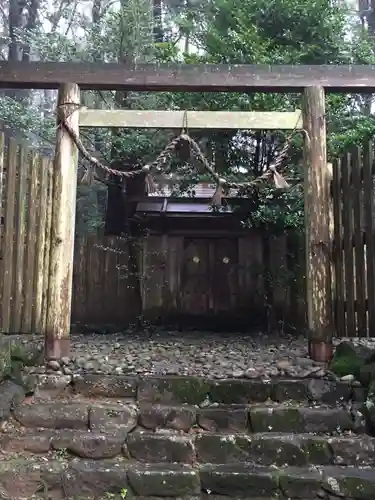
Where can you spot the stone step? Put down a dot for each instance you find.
(123, 417)
(91, 479)
(300, 419)
(270, 449)
(195, 390)
(267, 449)
(292, 482)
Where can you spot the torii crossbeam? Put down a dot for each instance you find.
(187, 77)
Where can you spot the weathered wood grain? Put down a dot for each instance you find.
(188, 77)
(317, 215)
(62, 227)
(234, 120)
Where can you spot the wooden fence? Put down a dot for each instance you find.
(269, 270)
(354, 249)
(268, 267)
(103, 294)
(105, 290)
(25, 187)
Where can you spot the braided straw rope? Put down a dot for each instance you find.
(165, 155)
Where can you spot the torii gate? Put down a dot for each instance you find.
(311, 80)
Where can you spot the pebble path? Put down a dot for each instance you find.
(193, 353)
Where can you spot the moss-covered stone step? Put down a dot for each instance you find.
(292, 482)
(268, 449)
(122, 417)
(195, 391)
(96, 479)
(80, 480)
(300, 419)
(198, 391)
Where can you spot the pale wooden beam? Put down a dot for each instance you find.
(247, 120)
(317, 220)
(62, 226)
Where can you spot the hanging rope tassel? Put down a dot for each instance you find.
(88, 177)
(217, 199)
(151, 186)
(278, 179)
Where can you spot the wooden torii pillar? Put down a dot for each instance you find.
(64, 192)
(317, 226)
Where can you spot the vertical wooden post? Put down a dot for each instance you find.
(57, 342)
(317, 220)
(2, 206)
(41, 271)
(47, 244)
(8, 245)
(31, 237)
(19, 241)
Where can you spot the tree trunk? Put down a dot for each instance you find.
(158, 22)
(23, 18)
(32, 18)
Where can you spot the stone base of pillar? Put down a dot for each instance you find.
(56, 348)
(321, 351)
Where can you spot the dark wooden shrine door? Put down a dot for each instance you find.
(195, 277)
(209, 276)
(224, 274)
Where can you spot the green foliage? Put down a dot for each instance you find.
(91, 203)
(345, 365)
(278, 210)
(278, 32)
(166, 52)
(25, 120)
(349, 360)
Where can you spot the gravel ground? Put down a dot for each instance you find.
(193, 353)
